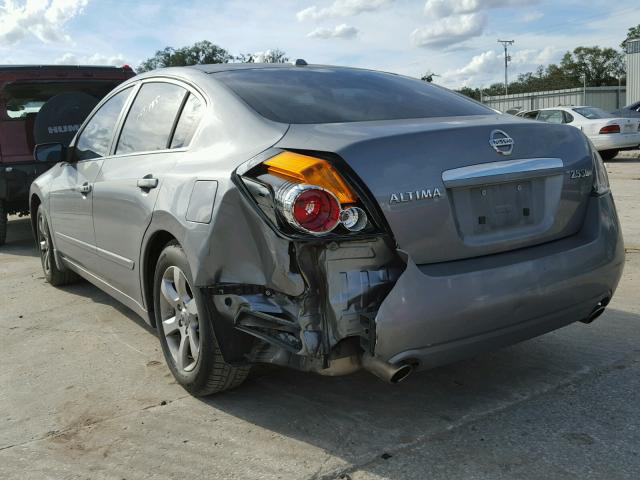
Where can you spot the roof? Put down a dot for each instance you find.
(225, 67)
(62, 67)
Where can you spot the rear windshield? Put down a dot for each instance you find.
(326, 95)
(592, 113)
(25, 98)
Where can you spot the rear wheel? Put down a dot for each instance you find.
(3, 222)
(185, 330)
(608, 154)
(52, 273)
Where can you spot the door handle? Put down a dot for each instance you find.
(84, 188)
(147, 182)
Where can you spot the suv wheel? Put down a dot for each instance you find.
(185, 330)
(3, 222)
(52, 273)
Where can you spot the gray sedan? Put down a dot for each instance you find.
(326, 219)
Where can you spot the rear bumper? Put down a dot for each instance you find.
(437, 314)
(616, 141)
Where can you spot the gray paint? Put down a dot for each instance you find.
(447, 287)
(201, 201)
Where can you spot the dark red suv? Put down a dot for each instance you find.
(42, 104)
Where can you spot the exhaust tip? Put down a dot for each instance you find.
(401, 374)
(384, 370)
(597, 310)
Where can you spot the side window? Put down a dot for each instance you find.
(568, 118)
(95, 139)
(531, 115)
(151, 117)
(187, 123)
(551, 116)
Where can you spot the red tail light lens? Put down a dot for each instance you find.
(615, 128)
(309, 208)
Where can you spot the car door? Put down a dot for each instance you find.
(149, 145)
(71, 198)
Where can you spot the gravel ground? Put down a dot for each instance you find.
(85, 394)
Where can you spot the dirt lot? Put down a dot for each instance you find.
(84, 394)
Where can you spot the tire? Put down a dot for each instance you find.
(52, 273)
(3, 222)
(609, 154)
(185, 329)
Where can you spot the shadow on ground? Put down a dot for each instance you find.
(358, 419)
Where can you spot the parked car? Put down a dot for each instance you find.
(609, 134)
(326, 219)
(38, 104)
(630, 111)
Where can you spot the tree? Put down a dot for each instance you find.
(427, 77)
(632, 34)
(268, 56)
(203, 52)
(601, 66)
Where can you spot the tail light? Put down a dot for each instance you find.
(306, 194)
(600, 177)
(614, 128)
(309, 208)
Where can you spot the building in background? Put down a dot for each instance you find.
(633, 71)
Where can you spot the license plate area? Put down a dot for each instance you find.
(486, 212)
(628, 128)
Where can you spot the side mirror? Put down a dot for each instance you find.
(50, 152)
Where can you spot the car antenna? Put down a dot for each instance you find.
(301, 62)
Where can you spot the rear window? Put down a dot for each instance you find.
(25, 98)
(592, 113)
(326, 95)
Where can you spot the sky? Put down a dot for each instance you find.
(455, 39)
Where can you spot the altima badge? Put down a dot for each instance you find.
(425, 194)
(501, 142)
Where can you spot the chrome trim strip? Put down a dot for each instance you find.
(122, 261)
(76, 242)
(498, 172)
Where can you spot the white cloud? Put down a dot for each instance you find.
(487, 66)
(531, 17)
(446, 8)
(340, 31)
(342, 8)
(42, 18)
(450, 30)
(95, 59)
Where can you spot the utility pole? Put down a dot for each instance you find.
(507, 58)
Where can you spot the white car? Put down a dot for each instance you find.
(608, 133)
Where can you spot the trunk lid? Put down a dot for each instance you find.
(448, 194)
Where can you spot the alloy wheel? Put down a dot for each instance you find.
(43, 242)
(180, 319)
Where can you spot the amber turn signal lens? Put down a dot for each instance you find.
(313, 171)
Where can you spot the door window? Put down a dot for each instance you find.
(568, 118)
(151, 118)
(188, 122)
(532, 115)
(95, 139)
